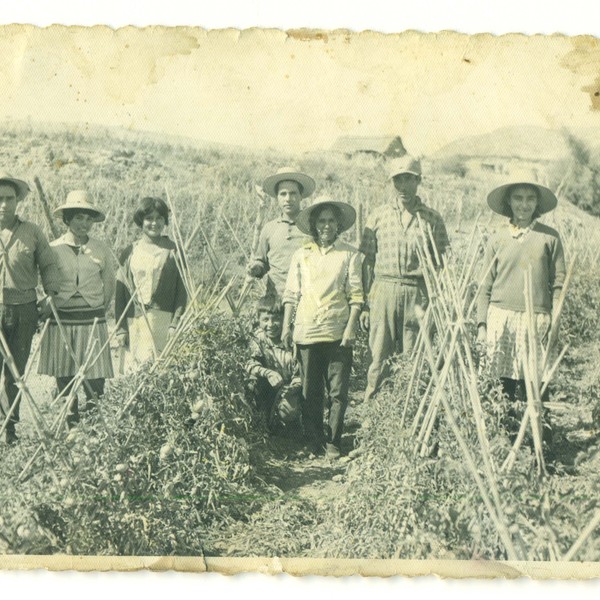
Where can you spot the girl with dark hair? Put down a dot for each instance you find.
(523, 245)
(149, 270)
(324, 290)
(86, 287)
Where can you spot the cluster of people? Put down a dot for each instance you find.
(319, 289)
(79, 282)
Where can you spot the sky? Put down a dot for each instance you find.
(266, 88)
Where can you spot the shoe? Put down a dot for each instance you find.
(10, 436)
(332, 452)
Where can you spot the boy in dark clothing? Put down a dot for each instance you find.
(274, 376)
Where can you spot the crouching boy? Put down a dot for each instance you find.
(275, 383)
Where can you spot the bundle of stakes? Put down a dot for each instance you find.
(446, 362)
(52, 433)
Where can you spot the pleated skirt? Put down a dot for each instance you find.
(81, 339)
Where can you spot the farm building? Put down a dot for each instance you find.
(388, 146)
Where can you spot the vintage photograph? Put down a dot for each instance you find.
(304, 301)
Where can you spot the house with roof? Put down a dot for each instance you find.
(386, 146)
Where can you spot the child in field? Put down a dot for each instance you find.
(275, 383)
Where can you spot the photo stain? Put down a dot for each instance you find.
(308, 35)
(584, 59)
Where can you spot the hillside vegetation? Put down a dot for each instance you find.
(175, 461)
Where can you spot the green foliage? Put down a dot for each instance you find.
(150, 480)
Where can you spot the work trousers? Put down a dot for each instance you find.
(393, 326)
(324, 365)
(18, 323)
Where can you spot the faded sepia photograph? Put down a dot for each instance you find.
(311, 301)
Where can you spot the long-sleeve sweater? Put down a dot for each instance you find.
(168, 291)
(507, 259)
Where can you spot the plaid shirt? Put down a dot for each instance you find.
(390, 247)
(267, 355)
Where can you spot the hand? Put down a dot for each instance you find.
(171, 332)
(275, 379)
(122, 339)
(365, 320)
(255, 270)
(44, 309)
(348, 338)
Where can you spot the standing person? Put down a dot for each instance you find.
(280, 238)
(150, 268)
(86, 288)
(25, 252)
(324, 289)
(522, 244)
(392, 274)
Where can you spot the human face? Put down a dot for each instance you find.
(8, 205)
(289, 198)
(406, 185)
(270, 323)
(327, 227)
(153, 225)
(80, 225)
(523, 201)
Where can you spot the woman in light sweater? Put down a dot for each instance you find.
(523, 245)
(324, 290)
(77, 335)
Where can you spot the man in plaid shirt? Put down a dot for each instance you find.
(392, 275)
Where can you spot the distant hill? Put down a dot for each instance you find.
(527, 142)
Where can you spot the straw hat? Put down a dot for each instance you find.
(498, 198)
(347, 212)
(79, 200)
(404, 164)
(306, 182)
(22, 187)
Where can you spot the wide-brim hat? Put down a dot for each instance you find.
(404, 164)
(346, 211)
(498, 198)
(289, 174)
(22, 187)
(79, 200)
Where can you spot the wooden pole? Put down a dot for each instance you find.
(46, 207)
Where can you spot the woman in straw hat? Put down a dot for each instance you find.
(149, 267)
(524, 245)
(324, 289)
(77, 335)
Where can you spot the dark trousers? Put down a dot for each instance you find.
(263, 395)
(94, 388)
(324, 365)
(18, 323)
(514, 389)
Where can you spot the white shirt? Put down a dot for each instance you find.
(323, 283)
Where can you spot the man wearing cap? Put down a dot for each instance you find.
(24, 252)
(392, 274)
(280, 238)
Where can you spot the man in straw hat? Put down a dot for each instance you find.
(392, 274)
(25, 252)
(280, 238)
